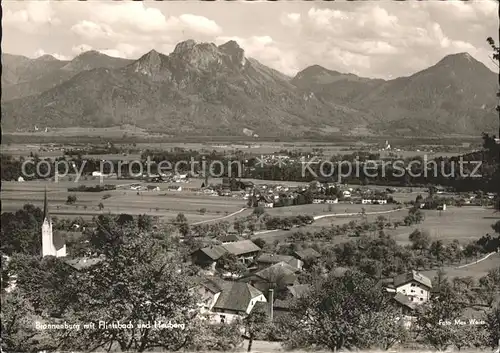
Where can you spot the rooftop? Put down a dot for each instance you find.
(412, 276)
(236, 296)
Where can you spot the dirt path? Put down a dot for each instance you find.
(333, 215)
(219, 218)
(476, 262)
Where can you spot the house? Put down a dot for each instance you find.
(281, 273)
(267, 259)
(244, 250)
(247, 185)
(80, 264)
(53, 244)
(265, 201)
(224, 301)
(174, 188)
(230, 238)
(332, 200)
(413, 285)
(281, 307)
(308, 253)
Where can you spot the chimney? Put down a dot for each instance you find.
(271, 302)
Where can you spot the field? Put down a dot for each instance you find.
(477, 270)
(319, 209)
(165, 204)
(464, 224)
(461, 223)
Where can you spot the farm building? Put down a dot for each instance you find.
(244, 250)
(224, 301)
(267, 259)
(415, 286)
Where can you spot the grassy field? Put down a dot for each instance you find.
(475, 270)
(165, 204)
(461, 223)
(319, 209)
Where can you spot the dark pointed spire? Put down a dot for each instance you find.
(45, 206)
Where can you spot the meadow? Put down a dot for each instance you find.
(164, 204)
(461, 223)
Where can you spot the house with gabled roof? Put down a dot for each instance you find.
(230, 238)
(414, 285)
(267, 259)
(225, 301)
(308, 253)
(281, 307)
(281, 274)
(265, 201)
(244, 250)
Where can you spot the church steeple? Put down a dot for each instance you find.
(46, 215)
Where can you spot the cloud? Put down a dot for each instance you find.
(37, 14)
(374, 39)
(382, 39)
(78, 49)
(41, 52)
(130, 29)
(200, 24)
(267, 51)
(290, 19)
(124, 50)
(91, 30)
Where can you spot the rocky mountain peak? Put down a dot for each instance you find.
(46, 57)
(184, 46)
(149, 64)
(235, 52)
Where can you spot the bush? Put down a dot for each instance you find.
(71, 199)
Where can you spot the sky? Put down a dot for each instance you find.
(383, 39)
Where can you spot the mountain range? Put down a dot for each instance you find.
(204, 89)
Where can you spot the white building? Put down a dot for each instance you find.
(415, 286)
(331, 201)
(225, 301)
(51, 245)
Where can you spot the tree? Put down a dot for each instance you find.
(493, 326)
(214, 337)
(437, 249)
(135, 282)
(340, 312)
(420, 240)
(436, 318)
(71, 199)
(182, 224)
(258, 211)
(20, 231)
(261, 243)
(470, 336)
(125, 219)
(239, 226)
(145, 222)
(256, 323)
(230, 263)
(17, 322)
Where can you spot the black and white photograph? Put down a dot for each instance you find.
(250, 176)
